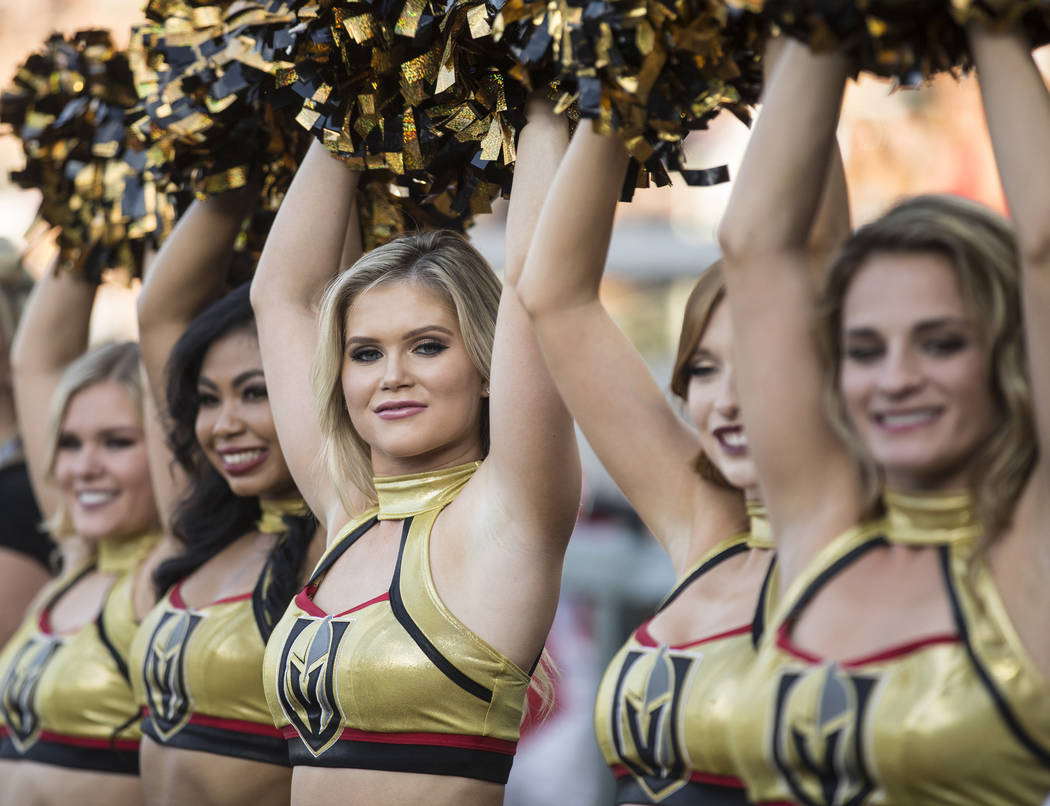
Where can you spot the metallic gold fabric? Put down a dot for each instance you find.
(124, 556)
(920, 723)
(192, 662)
(332, 678)
(761, 534)
(69, 685)
(271, 522)
(661, 715)
(404, 496)
(926, 518)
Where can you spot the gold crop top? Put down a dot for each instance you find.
(948, 720)
(65, 698)
(198, 670)
(661, 712)
(397, 683)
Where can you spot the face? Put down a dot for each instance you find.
(713, 405)
(411, 389)
(234, 422)
(101, 465)
(915, 373)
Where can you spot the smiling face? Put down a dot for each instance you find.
(713, 405)
(101, 466)
(234, 423)
(915, 376)
(412, 391)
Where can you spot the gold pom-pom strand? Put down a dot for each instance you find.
(650, 70)
(415, 90)
(68, 104)
(1032, 15)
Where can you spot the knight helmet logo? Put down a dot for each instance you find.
(818, 735)
(647, 718)
(164, 672)
(306, 681)
(19, 686)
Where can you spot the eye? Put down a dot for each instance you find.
(120, 443)
(430, 347)
(206, 399)
(67, 442)
(365, 355)
(254, 393)
(702, 369)
(944, 346)
(864, 353)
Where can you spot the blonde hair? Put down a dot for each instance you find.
(117, 362)
(982, 249)
(708, 293)
(443, 262)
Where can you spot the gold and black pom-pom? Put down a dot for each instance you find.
(906, 40)
(68, 104)
(415, 93)
(652, 70)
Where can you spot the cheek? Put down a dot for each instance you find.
(699, 404)
(853, 390)
(203, 427)
(63, 470)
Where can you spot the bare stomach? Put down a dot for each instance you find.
(29, 783)
(332, 787)
(176, 777)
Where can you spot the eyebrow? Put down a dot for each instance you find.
(924, 326)
(410, 335)
(240, 380)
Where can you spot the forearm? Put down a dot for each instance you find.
(779, 187)
(1017, 109)
(55, 325)
(541, 148)
(566, 259)
(305, 246)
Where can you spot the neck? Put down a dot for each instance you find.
(384, 465)
(951, 480)
(408, 495)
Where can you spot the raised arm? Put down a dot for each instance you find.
(628, 421)
(533, 462)
(313, 238)
(807, 476)
(52, 333)
(1017, 108)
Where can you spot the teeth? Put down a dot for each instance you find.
(734, 439)
(241, 457)
(907, 419)
(93, 498)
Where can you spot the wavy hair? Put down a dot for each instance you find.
(982, 249)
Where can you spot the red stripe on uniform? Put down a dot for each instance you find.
(436, 739)
(645, 638)
(235, 725)
(83, 741)
(716, 780)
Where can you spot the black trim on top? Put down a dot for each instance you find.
(431, 651)
(103, 636)
(718, 559)
(824, 576)
(758, 623)
(339, 550)
(693, 793)
(65, 588)
(1001, 705)
(223, 742)
(262, 623)
(481, 765)
(96, 759)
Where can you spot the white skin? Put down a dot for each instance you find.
(101, 467)
(915, 373)
(713, 406)
(412, 390)
(234, 423)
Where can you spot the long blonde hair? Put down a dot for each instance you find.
(982, 249)
(117, 362)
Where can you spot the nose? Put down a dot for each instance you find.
(395, 371)
(901, 373)
(88, 462)
(726, 403)
(229, 420)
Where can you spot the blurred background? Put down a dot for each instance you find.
(895, 144)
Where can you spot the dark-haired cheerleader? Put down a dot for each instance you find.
(246, 534)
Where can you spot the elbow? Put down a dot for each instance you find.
(748, 243)
(1034, 250)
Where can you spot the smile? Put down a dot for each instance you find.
(732, 440)
(239, 462)
(397, 410)
(94, 499)
(897, 422)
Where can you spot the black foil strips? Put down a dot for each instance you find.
(68, 104)
(651, 70)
